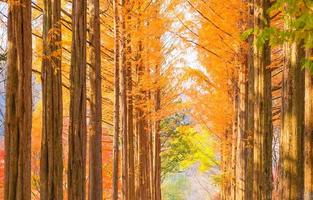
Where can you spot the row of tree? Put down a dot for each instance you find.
(137, 100)
(272, 78)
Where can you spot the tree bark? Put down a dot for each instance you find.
(95, 102)
(18, 117)
(241, 132)
(124, 106)
(77, 127)
(234, 141)
(250, 107)
(291, 153)
(157, 142)
(308, 134)
(116, 99)
(130, 115)
(263, 133)
(51, 161)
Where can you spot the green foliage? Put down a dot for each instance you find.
(308, 64)
(246, 34)
(298, 20)
(183, 146)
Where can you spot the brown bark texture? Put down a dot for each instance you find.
(95, 103)
(291, 144)
(263, 129)
(77, 138)
(18, 117)
(308, 134)
(116, 99)
(51, 161)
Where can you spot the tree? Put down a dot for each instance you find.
(95, 102)
(51, 161)
(18, 117)
(116, 98)
(130, 107)
(157, 142)
(308, 134)
(291, 144)
(263, 133)
(77, 125)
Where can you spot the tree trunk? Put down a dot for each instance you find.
(124, 110)
(116, 99)
(262, 174)
(250, 109)
(77, 128)
(18, 117)
(141, 130)
(241, 133)
(308, 134)
(51, 161)
(291, 153)
(95, 135)
(157, 142)
(226, 165)
(130, 116)
(234, 141)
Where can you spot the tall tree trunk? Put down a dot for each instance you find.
(130, 116)
(141, 130)
(226, 164)
(124, 101)
(263, 133)
(241, 132)
(250, 108)
(95, 135)
(157, 142)
(308, 134)
(77, 129)
(234, 141)
(116, 99)
(51, 161)
(244, 154)
(291, 152)
(18, 117)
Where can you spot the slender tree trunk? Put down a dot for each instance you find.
(250, 109)
(77, 129)
(95, 134)
(124, 102)
(116, 99)
(18, 117)
(244, 162)
(123, 83)
(241, 133)
(130, 116)
(234, 141)
(226, 165)
(157, 142)
(262, 174)
(308, 134)
(51, 161)
(291, 152)
(148, 147)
